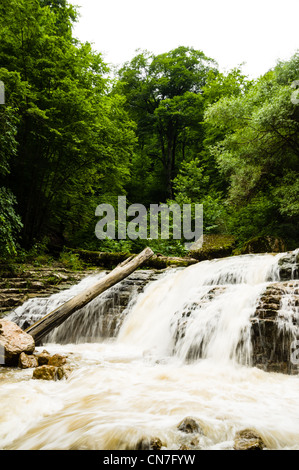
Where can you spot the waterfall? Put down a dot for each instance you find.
(206, 311)
(208, 341)
(203, 311)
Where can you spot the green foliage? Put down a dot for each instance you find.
(192, 185)
(10, 223)
(219, 85)
(288, 194)
(169, 128)
(73, 141)
(261, 137)
(258, 153)
(165, 247)
(71, 260)
(163, 95)
(258, 217)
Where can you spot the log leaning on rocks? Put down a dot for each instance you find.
(46, 324)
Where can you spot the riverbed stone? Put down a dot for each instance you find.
(57, 360)
(190, 425)
(14, 341)
(45, 372)
(43, 358)
(247, 439)
(156, 443)
(27, 361)
(63, 372)
(153, 443)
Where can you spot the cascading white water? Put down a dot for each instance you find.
(183, 348)
(206, 312)
(289, 312)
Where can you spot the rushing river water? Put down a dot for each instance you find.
(181, 348)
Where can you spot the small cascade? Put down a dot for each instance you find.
(219, 329)
(288, 314)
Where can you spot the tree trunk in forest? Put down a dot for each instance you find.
(43, 326)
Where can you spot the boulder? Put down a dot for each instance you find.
(184, 447)
(13, 342)
(153, 443)
(45, 372)
(156, 443)
(190, 425)
(27, 361)
(51, 372)
(57, 360)
(289, 266)
(248, 439)
(63, 372)
(43, 358)
(264, 244)
(213, 246)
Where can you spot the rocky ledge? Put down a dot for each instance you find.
(275, 328)
(17, 286)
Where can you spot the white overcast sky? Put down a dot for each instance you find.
(257, 32)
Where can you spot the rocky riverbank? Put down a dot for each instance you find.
(28, 281)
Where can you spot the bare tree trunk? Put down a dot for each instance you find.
(43, 326)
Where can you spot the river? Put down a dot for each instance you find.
(182, 347)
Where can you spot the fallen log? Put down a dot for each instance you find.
(53, 319)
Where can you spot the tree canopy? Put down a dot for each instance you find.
(167, 128)
(164, 97)
(72, 136)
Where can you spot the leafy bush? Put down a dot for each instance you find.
(258, 217)
(71, 260)
(10, 223)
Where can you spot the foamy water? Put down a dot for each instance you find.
(145, 381)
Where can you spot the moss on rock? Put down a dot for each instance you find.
(263, 244)
(214, 246)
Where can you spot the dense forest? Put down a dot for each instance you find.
(161, 129)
